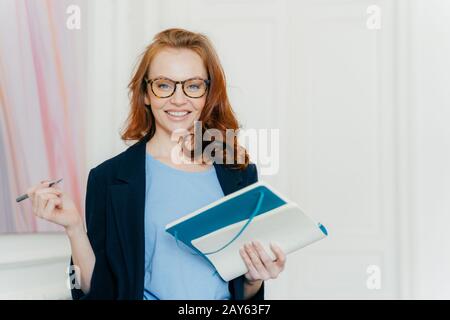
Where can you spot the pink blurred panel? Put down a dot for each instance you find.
(42, 94)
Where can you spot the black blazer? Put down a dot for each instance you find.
(115, 200)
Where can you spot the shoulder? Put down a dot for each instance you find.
(251, 173)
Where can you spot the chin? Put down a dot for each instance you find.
(171, 127)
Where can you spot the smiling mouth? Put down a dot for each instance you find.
(178, 114)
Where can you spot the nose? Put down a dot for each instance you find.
(178, 97)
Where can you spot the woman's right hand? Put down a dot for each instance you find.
(53, 205)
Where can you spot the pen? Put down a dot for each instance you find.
(25, 196)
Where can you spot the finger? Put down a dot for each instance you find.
(48, 209)
(48, 196)
(45, 182)
(36, 195)
(42, 200)
(31, 191)
(40, 204)
(270, 266)
(43, 185)
(265, 258)
(59, 202)
(248, 262)
(279, 254)
(32, 195)
(257, 262)
(49, 190)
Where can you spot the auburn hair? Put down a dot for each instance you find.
(217, 112)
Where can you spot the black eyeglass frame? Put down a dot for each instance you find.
(206, 81)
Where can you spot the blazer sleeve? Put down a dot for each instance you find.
(102, 284)
(252, 177)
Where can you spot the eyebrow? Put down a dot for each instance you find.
(161, 76)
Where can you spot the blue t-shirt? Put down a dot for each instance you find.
(173, 271)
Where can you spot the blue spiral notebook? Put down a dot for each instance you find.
(256, 212)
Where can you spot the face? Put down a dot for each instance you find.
(177, 111)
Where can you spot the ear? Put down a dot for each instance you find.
(146, 100)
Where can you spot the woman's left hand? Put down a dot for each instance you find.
(259, 264)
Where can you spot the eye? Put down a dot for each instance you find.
(194, 87)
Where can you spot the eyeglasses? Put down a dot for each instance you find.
(164, 87)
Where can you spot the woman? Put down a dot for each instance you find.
(126, 254)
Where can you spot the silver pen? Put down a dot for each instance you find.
(25, 196)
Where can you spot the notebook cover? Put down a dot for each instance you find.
(229, 210)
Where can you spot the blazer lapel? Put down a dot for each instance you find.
(128, 203)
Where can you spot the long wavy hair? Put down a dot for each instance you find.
(216, 114)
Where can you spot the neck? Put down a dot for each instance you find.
(161, 145)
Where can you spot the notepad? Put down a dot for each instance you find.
(256, 212)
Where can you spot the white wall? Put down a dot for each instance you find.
(430, 118)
